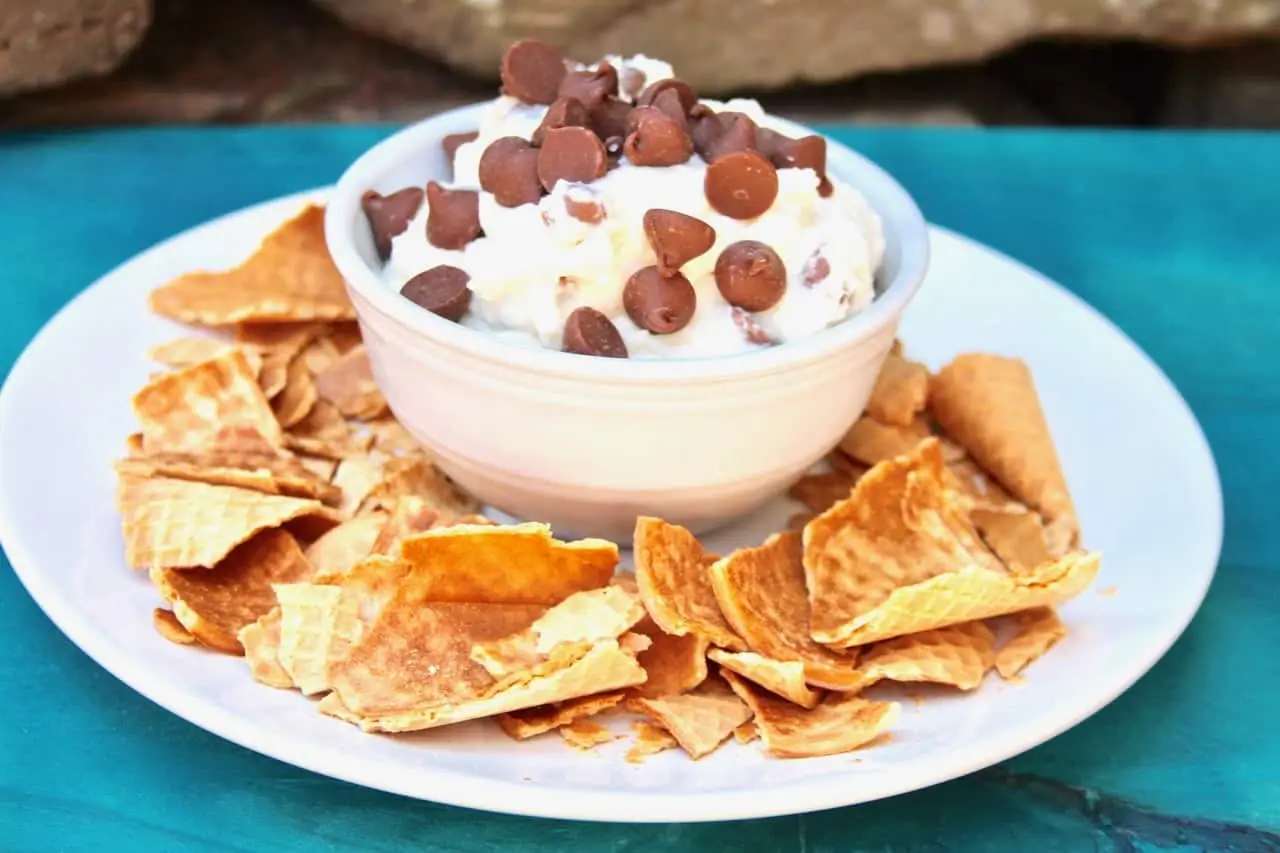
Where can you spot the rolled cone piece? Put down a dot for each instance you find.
(988, 404)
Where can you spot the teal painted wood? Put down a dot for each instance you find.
(1173, 236)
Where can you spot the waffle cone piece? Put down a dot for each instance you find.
(269, 473)
(989, 405)
(289, 278)
(215, 403)
(349, 385)
(958, 656)
(672, 573)
(761, 592)
(522, 725)
(674, 664)
(261, 642)
(842, 723)
(181, 524)
(699, 721)
(216, 604)
(1035, 632)
(900, 527)
(900, 393)
(782, 678)
(870, 441)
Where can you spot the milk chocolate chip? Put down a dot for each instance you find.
(807, 152)
(750, 275)
(717, 134)
(441, 290)
(584, 205)
(453, 216)
(565, 112)
(688, 98)
(656, 139)
(588, 332)
(816, 269)
(532, 71)
(454, 141)
(632, 81)
(659, 303)
(389, 215)
(741, 185)
(572, 154)
(590, 87)
(509, 169)
(669, 102)
(676, 238)
(609, 118)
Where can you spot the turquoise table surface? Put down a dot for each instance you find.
(1174, 237)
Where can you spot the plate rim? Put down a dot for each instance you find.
(458, 788)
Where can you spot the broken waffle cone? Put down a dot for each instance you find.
(606, 666)
(357, 476)
(349, 385)
(870, 442)
(580, 620)
(325, 433)
(672, 573)
(841, 723)
(298, 395)
(182, 524)
(970, 594)
(819, 492)
(289, 278)
(269, 473)
(1035, 632)
(761, 592)
(585, 735)
(958, 656)
(900, 393)
(901, 526)
(674, 664)
(517, 564)
(215, 403)
(415, 476)
(390, 436)
(347, 544)
(988, 404)
(168, 626)
(215, 604)
(530, 722)
(261, 642)
(185, 352)
(1015, 534)
(747, 732)
(782, 678)
(699, 721)
(650, 739)
(410, 515)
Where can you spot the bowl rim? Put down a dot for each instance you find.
(897, 210)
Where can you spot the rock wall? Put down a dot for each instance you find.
(725, 45)
(45, 42)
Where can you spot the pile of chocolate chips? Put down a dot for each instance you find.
(586, 129)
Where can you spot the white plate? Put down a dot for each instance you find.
(1139, 467)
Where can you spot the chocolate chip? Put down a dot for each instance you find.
(389, 215)
(659, 303)
(816, 269)
(532, 71)
(807, 152)
(588, 332)
(723, 133)
(454, 141)
(676, 238)
(750, 275)
(590, 87)
(688, 98)
(632, 81)
(609, 118)
(441, 290)
(572, 154)
(656, 140)
(565, 112)
(613, 150)
(669, 102)
(509, 169)
(584, 205)
(750, 328)
(453, 216)
(741, 185)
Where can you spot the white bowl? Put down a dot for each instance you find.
(586, 443)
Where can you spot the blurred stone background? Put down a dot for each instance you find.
(1125, 63)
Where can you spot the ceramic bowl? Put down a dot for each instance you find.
(587, 444)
